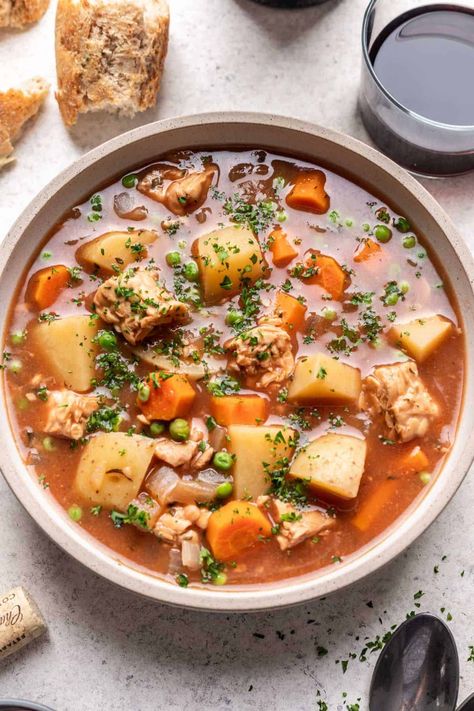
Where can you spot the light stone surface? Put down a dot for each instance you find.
(107, 648)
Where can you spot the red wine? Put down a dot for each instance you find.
(425, 60)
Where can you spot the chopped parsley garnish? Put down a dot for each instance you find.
(211, 569)
(134, 515)
(117, 371)
(106, 419)
(223, 385)
(257, 217)
(292, 491)
(182, 580)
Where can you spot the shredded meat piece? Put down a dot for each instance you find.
(149, 508)
(184, 194)
(175, 453)
(68, 413)
(201, 459)
(398, 394)
(298, 526)
(173, 525)
(264, 351)
(136, 304)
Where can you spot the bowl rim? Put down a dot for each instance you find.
(362, 563)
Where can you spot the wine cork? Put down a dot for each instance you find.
(20, 621)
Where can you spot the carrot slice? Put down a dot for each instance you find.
(239, 409)
(236, 527)
(415, 461)
(171, 395)
(367, 249)
(373, 507)
(308, 193)
(329, 274)
(281, 248)
(45, 286)
(290, 310)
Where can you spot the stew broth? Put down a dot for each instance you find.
(388, 278)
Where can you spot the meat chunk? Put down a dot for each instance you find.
(186, 192)
(135, 303)
(145, 512)
(398, 394)
(174, 525)
(68, 413)
(264, 351)
(295, 526)
(175, 453)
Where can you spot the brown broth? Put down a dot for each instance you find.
(252, 173)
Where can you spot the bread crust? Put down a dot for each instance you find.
(17, 106)
(109, 55)
(19, 13)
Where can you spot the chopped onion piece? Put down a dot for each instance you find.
(167, 487)
(190, 555)
(174, 563)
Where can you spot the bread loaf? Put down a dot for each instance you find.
(17, 106)
(109, 55)
(18, 13)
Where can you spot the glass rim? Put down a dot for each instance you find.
(460, 128)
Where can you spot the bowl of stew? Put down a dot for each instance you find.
(235, 357)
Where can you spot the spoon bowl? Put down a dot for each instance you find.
(417, 669)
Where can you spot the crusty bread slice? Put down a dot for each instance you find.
(109, 55)
(17, 106)
(19, 13)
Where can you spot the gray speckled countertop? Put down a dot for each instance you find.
(106, 648)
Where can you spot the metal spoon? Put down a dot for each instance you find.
(418, 669)
(468, 704)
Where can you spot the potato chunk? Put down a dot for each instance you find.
(227, 258)
(422, 336)
(67, 346)
(257, 448)
(115, 250)
(112, 469)
(321, 378)
(332, 464)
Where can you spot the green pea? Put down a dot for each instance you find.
(219, 579)
(281, 216)
(425, 477)
(224, 490)
(144, 392)
(404, 287)
(173, 259)
(234, 318)
(401, 224)
(107, 340)
(23, 404)
(383, 233)
(223, 460)
(366, 227)
(349, 222)
(191, 271)
(328, 313)
(409, 242)
(157, 428)
(391, 299)
(129, 181)
(18, 337)
(179, 430)
(75, 512)
(48, 444)
(15, 366)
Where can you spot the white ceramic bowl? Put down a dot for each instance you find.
(342, 154)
